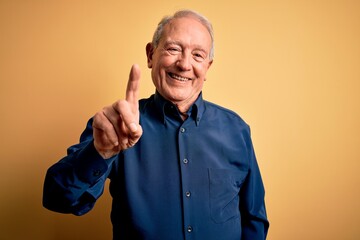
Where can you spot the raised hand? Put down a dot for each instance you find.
(116, 127)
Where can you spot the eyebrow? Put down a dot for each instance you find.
(197, 47)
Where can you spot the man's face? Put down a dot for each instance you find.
(181, 60)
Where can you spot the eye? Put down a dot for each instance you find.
(173, 50)
(199, 56)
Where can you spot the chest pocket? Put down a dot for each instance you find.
(224, 188)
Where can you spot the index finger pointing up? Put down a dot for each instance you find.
(132, 90)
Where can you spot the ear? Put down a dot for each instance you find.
(209, 64)
(149, 53)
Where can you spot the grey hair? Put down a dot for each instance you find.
(184, 13)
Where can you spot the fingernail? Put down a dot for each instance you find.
(133, 127)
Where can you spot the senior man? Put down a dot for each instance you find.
(179, 167)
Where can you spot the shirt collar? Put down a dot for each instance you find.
(196, 110)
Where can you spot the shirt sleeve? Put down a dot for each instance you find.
(73, 184)
(253, 212)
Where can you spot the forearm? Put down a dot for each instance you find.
(75, 183)
(254, 220)
(255, 227)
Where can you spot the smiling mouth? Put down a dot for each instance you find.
(179, 78)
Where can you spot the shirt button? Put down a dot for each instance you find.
(185, 161)
(188, 194)
(96, 173)
(189, 229)
(182, 130)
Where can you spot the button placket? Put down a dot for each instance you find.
(184, 136)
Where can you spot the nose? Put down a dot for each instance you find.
(184, 62)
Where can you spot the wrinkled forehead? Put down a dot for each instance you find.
(189, 21)
(187, 28)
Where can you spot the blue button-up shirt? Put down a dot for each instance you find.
(192, 179)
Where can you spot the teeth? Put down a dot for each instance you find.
(183, 79)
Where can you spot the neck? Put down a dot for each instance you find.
(184, 115)
(184, 106)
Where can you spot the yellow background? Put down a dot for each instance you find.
(291, 69)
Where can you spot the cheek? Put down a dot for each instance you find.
(200, 71)
(200, 84)
(166, 60)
